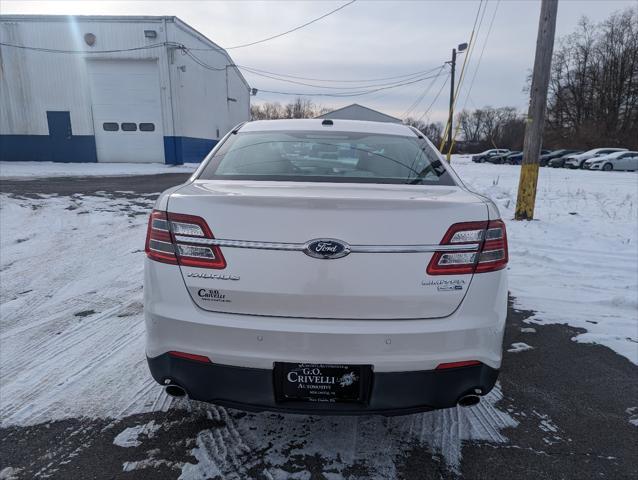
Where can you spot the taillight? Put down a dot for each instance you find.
(491, 254)
(181, 239)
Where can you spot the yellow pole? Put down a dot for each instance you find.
(536, 114)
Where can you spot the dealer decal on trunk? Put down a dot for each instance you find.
(211, 295)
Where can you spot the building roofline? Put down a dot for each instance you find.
(362, 106)
(130, 18)
(86, 18)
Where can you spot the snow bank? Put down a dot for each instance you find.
(577, 262)
(50, 169)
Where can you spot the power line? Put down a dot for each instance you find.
(478, 64)
(435, 99)
(394, 77)
(256, 71)
(292, 29)
(448, 126)
(420, 98)
(350, 94)
(341, 87)
(73, 52)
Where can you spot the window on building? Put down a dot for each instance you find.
(110, 126)
(129, 127)
(147, 127)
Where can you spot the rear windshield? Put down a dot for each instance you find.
(326, 157)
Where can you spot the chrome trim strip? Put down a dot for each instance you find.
(468, 247)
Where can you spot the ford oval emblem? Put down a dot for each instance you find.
(326, 248)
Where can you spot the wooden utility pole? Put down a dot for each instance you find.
(536, 114)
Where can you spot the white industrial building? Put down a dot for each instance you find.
(359, 112)
(114, 89)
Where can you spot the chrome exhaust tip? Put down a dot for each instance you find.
(468, 400)
(175, 391)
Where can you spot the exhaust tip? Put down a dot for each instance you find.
(175, 391)
(468, 400)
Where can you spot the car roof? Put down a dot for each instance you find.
(604, 148)
(338, 125)
(617, 154)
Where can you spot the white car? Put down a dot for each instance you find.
(614, 161)
(325, 266)
(578, 161)
(483, 156)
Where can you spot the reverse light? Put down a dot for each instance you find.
(491, 255)
(163, 246)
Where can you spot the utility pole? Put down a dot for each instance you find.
(451, 117)
(536, 113)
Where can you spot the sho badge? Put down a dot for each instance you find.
(326, 248)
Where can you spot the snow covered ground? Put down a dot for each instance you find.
(577, 262)
(71, 336)
(72, 346)
(29, 170)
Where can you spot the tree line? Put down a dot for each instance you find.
(592, 98)
(593, 91)
(298, 108)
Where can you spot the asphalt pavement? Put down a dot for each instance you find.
(571, 403)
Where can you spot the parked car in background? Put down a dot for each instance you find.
(559, 162)
(577, 161)
(614, 161)
(502, 158)
(547, 157)
(517, 158)
(483, 156)
(270, 286)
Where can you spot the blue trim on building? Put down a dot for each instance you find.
(178, 150)
(81, 148)
(47, 148)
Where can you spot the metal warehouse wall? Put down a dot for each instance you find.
(192, 99)
(203, 103)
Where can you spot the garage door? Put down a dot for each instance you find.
(127, 112)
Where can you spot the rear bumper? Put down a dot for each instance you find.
(403, 353)
(392, 393)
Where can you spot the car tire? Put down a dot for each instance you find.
(608, 167)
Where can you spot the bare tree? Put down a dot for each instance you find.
(490, 127)
(593, 97)
(433, 131)
(299, 108)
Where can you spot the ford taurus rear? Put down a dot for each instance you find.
(326, 267)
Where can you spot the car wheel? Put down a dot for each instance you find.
(608, 167)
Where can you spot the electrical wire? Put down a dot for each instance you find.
(420, 98)
(478, 64)
(468, 55)
(74, 52)
(435, 99)
(292, 29)
(394, 77)
(341, 87)
(349, 94)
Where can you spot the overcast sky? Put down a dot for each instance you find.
(366, 40)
